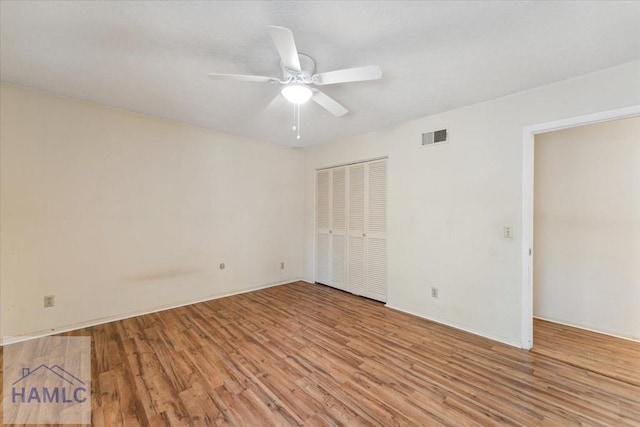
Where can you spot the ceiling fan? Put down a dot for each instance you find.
(299, 78)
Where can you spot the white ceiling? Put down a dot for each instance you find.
(154, 57)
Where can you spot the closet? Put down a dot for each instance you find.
(351, 228)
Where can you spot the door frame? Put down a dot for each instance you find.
(528, 139)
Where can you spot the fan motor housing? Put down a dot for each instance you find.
(307, 65)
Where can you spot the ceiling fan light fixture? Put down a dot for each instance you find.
(297, 93)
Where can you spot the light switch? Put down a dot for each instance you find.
(508, 231)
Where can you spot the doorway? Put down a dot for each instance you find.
(528, 252)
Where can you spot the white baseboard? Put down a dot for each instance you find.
(597, 331)
(462, 328)
(100, 321)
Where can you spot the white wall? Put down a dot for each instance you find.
(117, 213)
(448, 204)
(587, 227)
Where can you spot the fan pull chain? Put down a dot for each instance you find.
(296, 119)
(298, 105)
(293, 128)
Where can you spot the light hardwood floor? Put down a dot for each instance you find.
(302, 354)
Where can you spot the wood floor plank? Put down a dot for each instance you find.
(616, 357)
(302, 354)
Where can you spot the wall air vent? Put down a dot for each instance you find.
(437, 137)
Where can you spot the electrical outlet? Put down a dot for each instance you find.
(49, 301)
(222, 266)
(434, 292)
(282, 265)
(508, 231)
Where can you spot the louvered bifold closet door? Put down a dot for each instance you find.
(323, 218)
(338, 239)
(376, 234)
(351, 228)
(356, 230)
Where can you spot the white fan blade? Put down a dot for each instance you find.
(329, 104)
(277, 103)
(286, 45)
(358, 74)
(242, 78)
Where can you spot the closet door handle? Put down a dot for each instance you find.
(364, 234)
(330, 231)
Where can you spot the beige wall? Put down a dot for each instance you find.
(448, 204)
(587, 227)
(117, 213)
